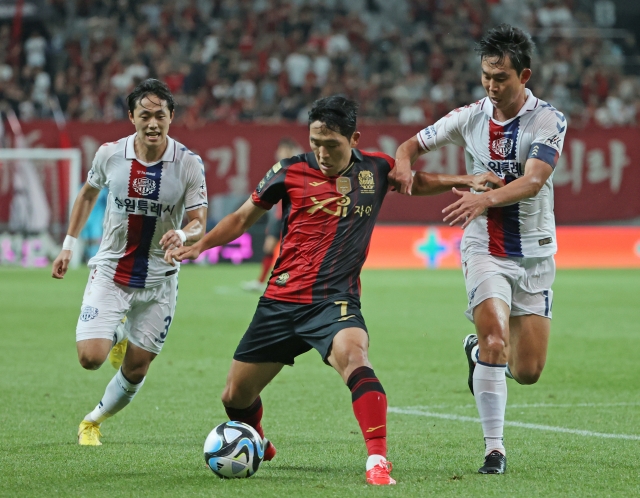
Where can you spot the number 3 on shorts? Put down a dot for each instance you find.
(167, 322)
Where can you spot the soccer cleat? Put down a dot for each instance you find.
(116, 355)
(494, 463)
(269, 450)
(89, 434)
(253, 286)
(470, 342)
(379, 475)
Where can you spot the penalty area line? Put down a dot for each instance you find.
(510, 423)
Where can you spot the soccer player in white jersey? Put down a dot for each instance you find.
(152, 180)
(509, 232)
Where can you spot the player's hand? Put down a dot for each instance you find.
(465, 209)
(486, 181)
(61, 264)
(170, 240)
(401, 177)
(182, 253)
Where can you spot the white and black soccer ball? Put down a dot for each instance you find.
(233, 449)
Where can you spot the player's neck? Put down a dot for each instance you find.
(149, 154)
(512, 111)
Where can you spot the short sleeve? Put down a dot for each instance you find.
(196, 188)
(271, 188)
(97, 176)
(549, 137)
(445, 131)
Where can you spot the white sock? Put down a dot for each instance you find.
(118, 394)
(374, 460)
(475, 354)
(490, 388)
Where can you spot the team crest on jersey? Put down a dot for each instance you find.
(365, 179)
(281, 281)
(88, 313)
(502, 146)
(144, 186)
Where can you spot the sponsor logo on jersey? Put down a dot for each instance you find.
(341, 201)
(502, 146)
(365, 179)
(281, 281)
(317, 184)
(504, 168)
(429, 132)
(544, 242)
(88, 313)
(144, 186)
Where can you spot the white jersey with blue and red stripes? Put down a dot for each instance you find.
(145, 201)
(526, 228)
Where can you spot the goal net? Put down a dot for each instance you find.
(38, 187)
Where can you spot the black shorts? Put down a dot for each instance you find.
(280, 330)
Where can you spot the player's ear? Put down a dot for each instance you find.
(355, 138)
(131, 118)
(171, 116)
(525, 75)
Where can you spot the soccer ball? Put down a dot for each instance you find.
(233, 449)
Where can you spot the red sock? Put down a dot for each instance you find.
(266, 267)
(370, 407)
(251, 416)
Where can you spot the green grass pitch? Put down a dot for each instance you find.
(575, 433)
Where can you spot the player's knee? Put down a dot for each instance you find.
(90, 361)
(235, 396)
(529, 375)
(493, 343)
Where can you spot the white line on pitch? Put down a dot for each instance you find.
(539, 405)
(460, 418)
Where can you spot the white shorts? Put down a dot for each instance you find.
(149, 311)
(523, 283)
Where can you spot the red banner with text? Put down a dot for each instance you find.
(597, 178)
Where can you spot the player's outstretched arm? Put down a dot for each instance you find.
(81, 210)
(470, 206)
(229, 229)
(406, 155)
(433, 184)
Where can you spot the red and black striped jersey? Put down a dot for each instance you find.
(327, 223)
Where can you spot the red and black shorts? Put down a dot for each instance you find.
(280, 330)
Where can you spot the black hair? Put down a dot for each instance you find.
(337, 113)
(506, 40)
(150, 87)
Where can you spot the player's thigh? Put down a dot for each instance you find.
(488, 277)
(528, 348)
(104, 304)
(151, 315)
(245, 381)
(532, 294)
(335, 323)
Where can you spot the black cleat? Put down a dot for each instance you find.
(494, 463)
(470, 342)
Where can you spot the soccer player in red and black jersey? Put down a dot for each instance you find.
(330, 200)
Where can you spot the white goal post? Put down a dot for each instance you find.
(74, 156)
(30, 184)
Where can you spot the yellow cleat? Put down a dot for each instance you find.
(116, 355)
(89, 434)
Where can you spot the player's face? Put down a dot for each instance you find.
(503, 84)
(152, 118)
(332, 150)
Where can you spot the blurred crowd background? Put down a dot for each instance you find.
(405, 61)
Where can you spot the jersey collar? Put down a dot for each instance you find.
(169, 155)
(529, 105)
